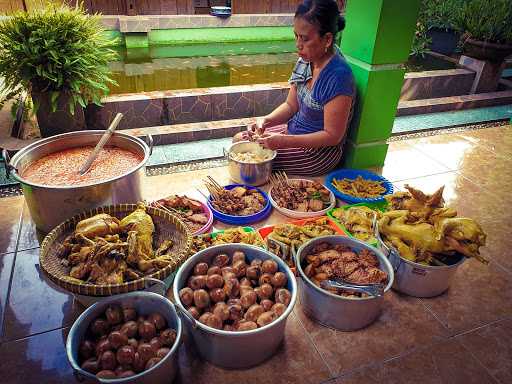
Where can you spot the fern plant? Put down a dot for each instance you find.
(487, 20)
(55, 50)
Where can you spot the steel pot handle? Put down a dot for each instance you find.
(7, 163)
(153, 281)
(81, 378)
(78, 376)
(150, 143)
(184, 313)
(178, 309)
(389, 251)
(374, 290)
(394, 258)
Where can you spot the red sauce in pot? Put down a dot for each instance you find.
(61, 168)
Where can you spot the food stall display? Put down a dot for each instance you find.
(246, 283)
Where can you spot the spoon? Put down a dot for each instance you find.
(374, 290)
(101, 144)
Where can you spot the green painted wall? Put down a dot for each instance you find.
(364, 156)
(378, 94)
(380, 31)
(116, 38)
(187, 36)
(219, 35)
(247, 48)
(136, 40)
(375, 43)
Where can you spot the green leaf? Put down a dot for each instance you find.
(56, 48)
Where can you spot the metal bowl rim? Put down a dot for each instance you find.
(378, 253)
(197, 256)
(230, 150)
(108, 301)
(261, 191)
(40, 143)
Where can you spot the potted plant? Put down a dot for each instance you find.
(439, 17)
(487, 27)
(58, 56)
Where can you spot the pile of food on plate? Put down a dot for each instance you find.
(423, 230)
(360, 187)
(231, 235)
(189, 210)
(301, 195)
(238, 201)
(121, 343)
(234, 295)
(105, 250)
(327, 261)
(296, 235)
(358, 221)
(286, 239)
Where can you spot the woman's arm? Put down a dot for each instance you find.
(285, 111)
(336, 115)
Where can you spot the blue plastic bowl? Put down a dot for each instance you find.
(241, 220)
(352, 174)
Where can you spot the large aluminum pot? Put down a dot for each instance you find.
(51, 205)
(338, 312)
(249, 173)
(235, 350)
(144, 303)
(420, 280)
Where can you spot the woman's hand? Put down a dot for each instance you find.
(272, 140)
(257, 128)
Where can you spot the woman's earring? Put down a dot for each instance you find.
(325, 50)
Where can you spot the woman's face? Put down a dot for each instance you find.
(310, 45)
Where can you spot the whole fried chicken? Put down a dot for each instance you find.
(140, 228)
(419, 241)
(98, 226)
(419, 205)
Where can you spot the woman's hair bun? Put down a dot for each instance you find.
(341, 23)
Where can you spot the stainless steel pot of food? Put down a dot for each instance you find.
(234, 349)
(334, 311)
(416, 279)
(51, 205)
(420, 280)
(249, 172)
(144, 303)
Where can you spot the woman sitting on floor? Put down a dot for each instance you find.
(309, 128)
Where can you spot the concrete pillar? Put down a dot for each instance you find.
(376, 42)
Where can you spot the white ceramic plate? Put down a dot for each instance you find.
(301, 214)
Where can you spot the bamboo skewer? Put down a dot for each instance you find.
(165, 208)
(215, 184)
(202, 194)
(213, 187)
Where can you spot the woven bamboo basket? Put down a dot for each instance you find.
(167, 227)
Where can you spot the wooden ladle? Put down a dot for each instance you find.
(104, 138)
